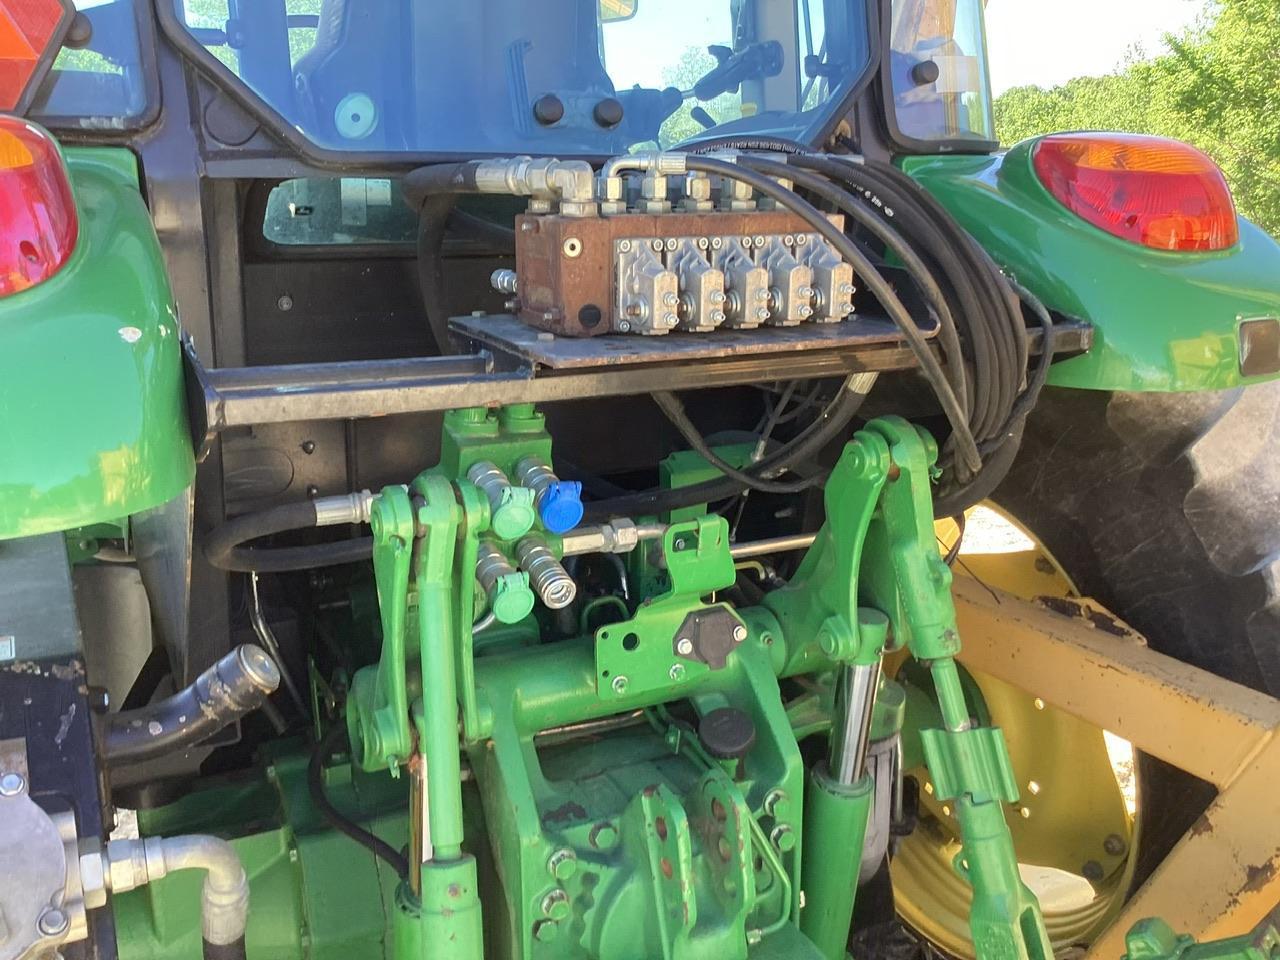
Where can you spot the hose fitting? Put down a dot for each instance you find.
(508, 591)
(550, 580)
(511, 512)
(559, 502)
(224, 898)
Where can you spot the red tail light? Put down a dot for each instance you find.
(38, 224)
(1148, 190)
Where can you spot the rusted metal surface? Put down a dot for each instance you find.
(1223, 877)
(565, 264)
(510, 335)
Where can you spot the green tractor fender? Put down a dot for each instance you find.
(1162, 321)
(94, 424)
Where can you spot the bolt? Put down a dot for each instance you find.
(1092, 871)
(603, 836)
(544, 931)
(670, 299)
(285, 303)
(624, 246)
(1114, 844)
(620, 685)
(623, 326)
(670, 319)
(562, 864)
(805, 311)
(556, 904)
(679, 544)
(684, 646)
(308, 447)
(777, 804)
(783, 838)
(657, 245)
(762, 313)
(739, 633)
(12, 784)
(676, 672)
(313, 491)
(53, 922)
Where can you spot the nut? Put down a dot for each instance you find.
(53, 922)
(12, 784)
(620, 685)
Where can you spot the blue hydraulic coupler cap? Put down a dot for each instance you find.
(560, 506)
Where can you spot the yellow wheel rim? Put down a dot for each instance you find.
(1074, 827)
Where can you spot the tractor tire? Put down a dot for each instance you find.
(1166, 509)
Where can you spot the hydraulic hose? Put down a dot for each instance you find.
(826, 427)
(237, 684)
(875, 281)
(225, 548)
(224, 897)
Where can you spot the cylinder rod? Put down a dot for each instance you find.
(851, 730)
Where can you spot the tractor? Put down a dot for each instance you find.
(620, 480)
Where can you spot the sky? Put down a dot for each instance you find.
(1035, 41)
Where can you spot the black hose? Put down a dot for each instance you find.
(674, 411)
(331, 814)
(875, 281)
(223, 951)
(237, 684)
(433, 218)
(438, 178)
(224, 547)
(856, 208)
(829, 424)
(984, 299)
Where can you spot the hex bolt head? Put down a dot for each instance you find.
(777, 804)
(676, 672)
(783, 838)
(556, 905)
(1092, 871)
(620, 685)
(12, 784)
(739, 633)
(562, 864)
(603, 836)
(545, 931)
(684, 646)
(1114, 844)
(53, 922)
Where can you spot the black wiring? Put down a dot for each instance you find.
(331, 814)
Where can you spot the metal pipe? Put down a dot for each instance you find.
(855, 696)
(266, 636)
(234, 686)
(224, 898)
(760, 548)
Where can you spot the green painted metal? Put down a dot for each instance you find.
(1162, 321)
(630, 839)
(1153, 939)
(91, 359)
(837, 814)
(906, 577)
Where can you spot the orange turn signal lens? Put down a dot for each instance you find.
(1156, 192)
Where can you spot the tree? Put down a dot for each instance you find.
(1217, 88)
